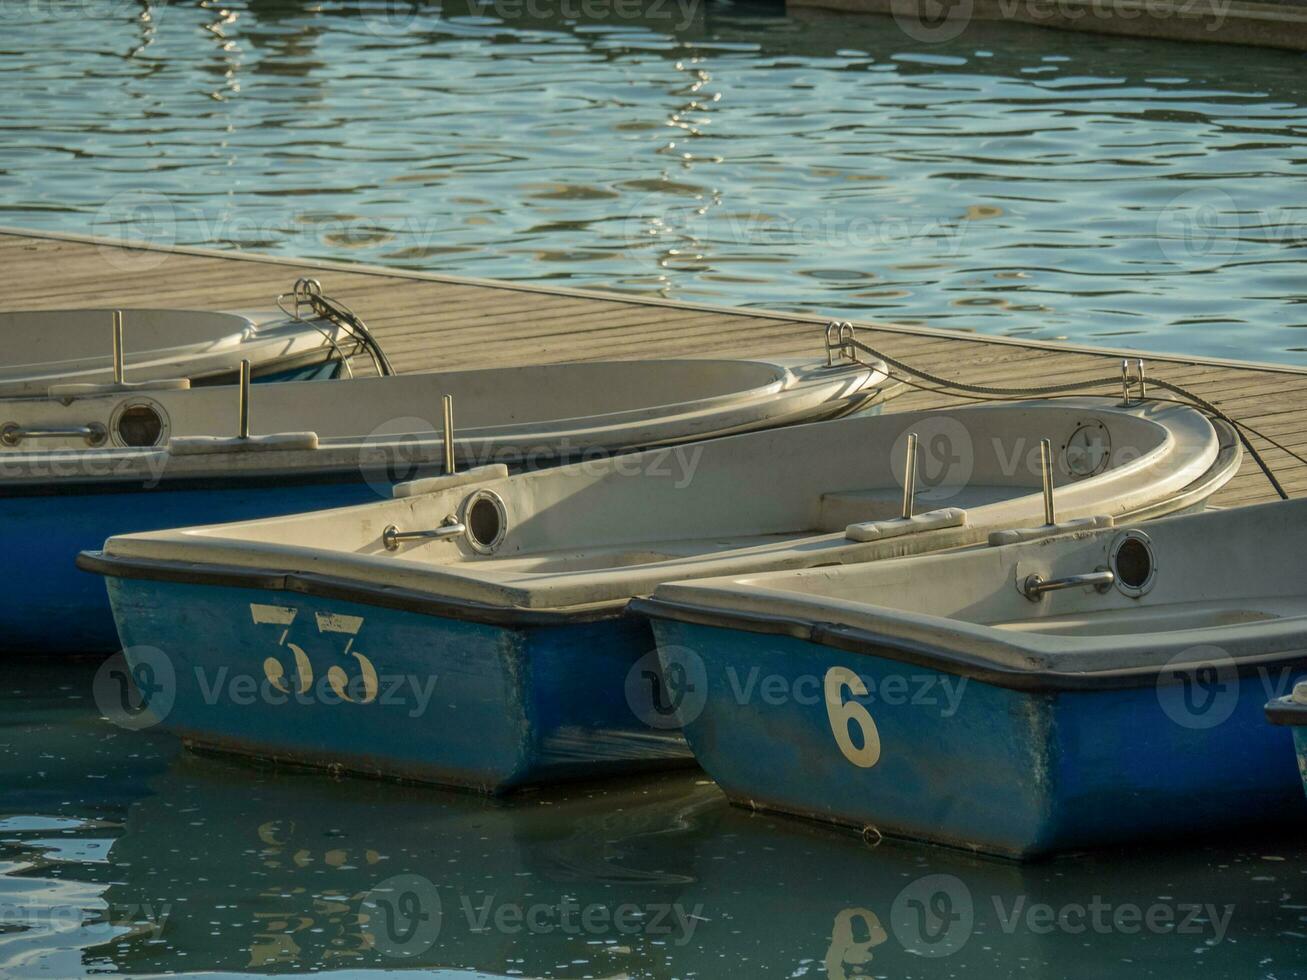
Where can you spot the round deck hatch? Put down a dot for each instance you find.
(1088, 450)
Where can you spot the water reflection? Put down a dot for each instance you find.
(1012, 180)
(129, 856)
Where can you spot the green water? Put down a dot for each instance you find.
(1012, 180)
(119, 853)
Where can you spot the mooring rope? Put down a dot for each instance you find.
(844, 332)
(309, 291)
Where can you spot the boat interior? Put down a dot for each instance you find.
(828, 493)
(1129, 595)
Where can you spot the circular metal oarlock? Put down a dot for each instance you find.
(486, 520)
(1133, 563)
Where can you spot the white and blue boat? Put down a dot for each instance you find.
(474, 630)
(1291, 712)
(62, 352)
(1056, 693)
(92, 463)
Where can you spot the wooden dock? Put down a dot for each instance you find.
(427, 322)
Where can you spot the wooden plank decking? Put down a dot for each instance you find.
(429, 322)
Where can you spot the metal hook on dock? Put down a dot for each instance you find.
(839, 340)
(447, 404)
(1046, 472)
(243, 423)
(910, 477)
(1130, 381)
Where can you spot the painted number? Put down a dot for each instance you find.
(361, 692)
(844, 714)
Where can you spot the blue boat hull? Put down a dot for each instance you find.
(54, 608)
(1018, 773)
(326, 682)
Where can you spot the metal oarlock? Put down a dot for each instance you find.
(243, 424)
(447, 404)
(1046, 471)
(118, 359)
(1131, 381)
(910, 476)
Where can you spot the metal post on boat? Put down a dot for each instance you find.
(447, 403)
(243, 426)
(910, 476)
(1046, 470)
(118, 367)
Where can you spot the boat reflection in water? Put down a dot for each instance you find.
(231, 869)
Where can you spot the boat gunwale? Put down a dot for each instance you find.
(1285, 711)
(348, 590)
(868, 642)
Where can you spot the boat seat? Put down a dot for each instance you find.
(1015, 535)
(430, 484)
(931, 520)
(198, 445)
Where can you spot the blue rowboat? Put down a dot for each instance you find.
(1057, 693)
(1291, 711)
(94, 463)
(474, 630)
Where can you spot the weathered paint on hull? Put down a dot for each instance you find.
(460, 703)
(1014, 773)
(52, 607)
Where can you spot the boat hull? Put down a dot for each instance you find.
(320, 681)
(53, 608)
(1292, 715)
(961, 762)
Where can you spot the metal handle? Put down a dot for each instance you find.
(1035, 586)
(910, 476)
(94, 433)
(392, 536)
(243, 420)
